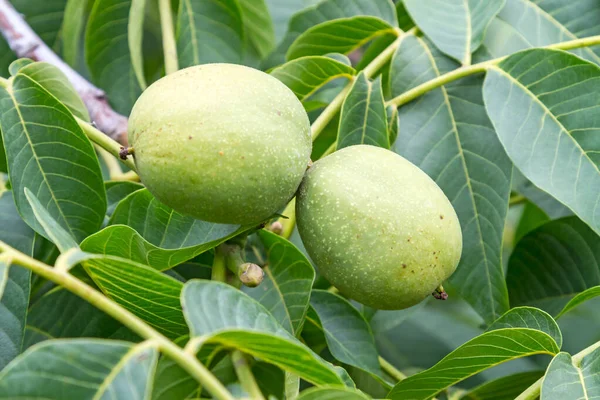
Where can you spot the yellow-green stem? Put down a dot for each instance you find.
(168, 36)
(185, 360)
(245, 375)
(391, 370)
(219, 268)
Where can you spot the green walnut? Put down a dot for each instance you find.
(377, 227)
(220, 142)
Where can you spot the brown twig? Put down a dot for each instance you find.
(25, 43)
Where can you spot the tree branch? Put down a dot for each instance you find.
(25, 43)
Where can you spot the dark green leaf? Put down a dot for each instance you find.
(569, 379)
(222, 314)
(340, 36)
(270, 379)
(456, 27)
(393, 123)
(83, 368)
(363, 119)
(405, 22)
(447, 134)
(348, 335)
(580, 298)
(76, 13)
(531, 218)
(48, 153)
(209, 31)
(281, 11)
(304, 76)
(45, 18)
(285, 290)
(107, 53)
(556, 88)
(331, 394)
(258, 25)
(554, 208)
(117, 191)
(135, 36)
(505, 388)
(554, 263)
(529, 317)
(484, 351)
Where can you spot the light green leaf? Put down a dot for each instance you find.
(393, 123)
(305, 75)
(224, 315)
(107, 53)
(76, 13)
(363, 119)
(152, 296)
(115, 370)
(16, 65)
(349, 337)
(531, 218)
(328, 10)
(61, 314)
(60, 237)
(332, 393)
(552, 264)
(456, 27)
(135, 36)
(447, 134)
(529, 317)
(543, 108)
(285, 290)
(338, 36)
(49, 154)
(505, 388)
(566, 379)
(258, 25)
(56, 83)
(580, 298)
(482, 352)
(209, 31)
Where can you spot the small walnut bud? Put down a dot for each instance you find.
(251, 275)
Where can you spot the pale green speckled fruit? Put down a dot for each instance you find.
(377, 227)
(220, 142)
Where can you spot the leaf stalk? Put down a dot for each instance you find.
(245, 375)
(168, 36)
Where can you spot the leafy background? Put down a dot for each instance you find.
(514, 145)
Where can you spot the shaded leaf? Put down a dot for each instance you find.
(118, 370)
(224, 315)
(286, 289)
(541, 105)
(348, 335)
(75, 18)
(456, 27)
(554, 208)
(281, 11)
(505, 388)
(339, 35)
(363, 118)
(484, 351)
(258, 25)
(447, 134)
(45, 18)
(566, 379)
(209, 31)
(529, 317)
(552, 264)
(135, 36)
(49, 154)
(305, 75)
(531, 218)
(107, 53)
(331, 394)
(117, 191)
(580, 298)
(393, 123)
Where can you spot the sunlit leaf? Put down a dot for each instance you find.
(566, 379)
(529, 317)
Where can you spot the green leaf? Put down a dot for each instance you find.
(61, 314)
(305, 75)
(281, 11)
(224, 315)
(152, 296)
(447, 134)
(13, 230)
(349, 337)
(49, 154)
(456, 27)
(552, 207)
(482, 352)
(531, 218)
(340, 36)
(558, 127)
(552, 264)
(258, 25)
(580, 298)
(45, 18)
(566, 379)
(505, 388)
(83, 368)
(56, 83)
(363, 119)
(393, 123)
(16, 65)
(524, 24)
(209, 31)
(328, 10)
(135, 36)
(529, 317)
(117, 191)
(107, 53)
(75, 18)
(60, 237)
(405, 22)
(331, 393)
(285, 290)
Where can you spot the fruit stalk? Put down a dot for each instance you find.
(249, 274)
